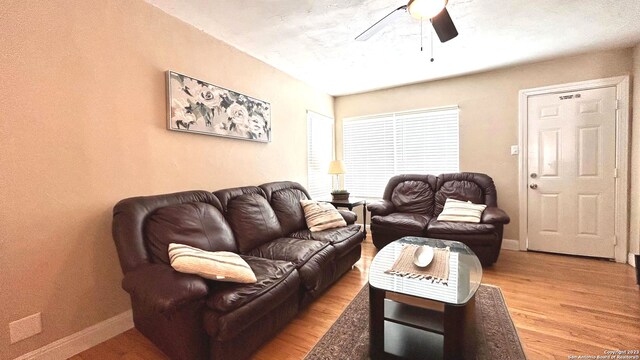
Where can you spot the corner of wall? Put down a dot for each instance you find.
(634, 218)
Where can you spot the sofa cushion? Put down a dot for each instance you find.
(343, 239)
(310, 257)
(296, 251)
(252, 220)
(284, 197)
(286, 204)
(214, 265)
(460, 190)
(346, 239)
(460, 228)
(254, 320)
(225, 297)
(195, 224)
(413, 196)
(321, 216)
(474, 236)
(330, 235)
(224, 196)
(403, 221)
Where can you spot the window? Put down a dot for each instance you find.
(416, 142)
(319, 154)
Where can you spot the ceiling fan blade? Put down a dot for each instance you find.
(443, 25)
(373, 29)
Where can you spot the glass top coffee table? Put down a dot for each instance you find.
(418, 318)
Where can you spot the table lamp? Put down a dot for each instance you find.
(336, 168)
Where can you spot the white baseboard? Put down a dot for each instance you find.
(632, 260)
(83, 340)
(510, 244)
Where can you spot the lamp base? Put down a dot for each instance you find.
(342, 195)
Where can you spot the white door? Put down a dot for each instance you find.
(571, 168)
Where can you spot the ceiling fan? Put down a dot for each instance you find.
(434, 10)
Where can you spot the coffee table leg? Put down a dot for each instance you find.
(459, 331)
(376, 323)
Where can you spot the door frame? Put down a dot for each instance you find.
(622, 155)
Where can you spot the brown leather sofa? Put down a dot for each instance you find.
(189, 317)
(411, 205)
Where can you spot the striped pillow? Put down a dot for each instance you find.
(214, 265)
(461, 211)
(321, 216)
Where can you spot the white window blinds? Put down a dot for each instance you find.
(319, 154)
(379, 147)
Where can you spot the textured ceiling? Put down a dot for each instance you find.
(313, 40)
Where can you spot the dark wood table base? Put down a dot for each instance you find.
(418, 333)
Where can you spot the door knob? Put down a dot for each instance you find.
(533, 186)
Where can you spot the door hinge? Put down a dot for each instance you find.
(617, 104)
(615, 240)
(615, 173)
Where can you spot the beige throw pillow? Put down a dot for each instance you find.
(321, 216)
(214, 265)
(461, 211)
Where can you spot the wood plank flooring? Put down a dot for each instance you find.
(566, 305)
(561, 306)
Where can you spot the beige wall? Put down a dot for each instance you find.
(82, 124)
(634, 226)
(488, 111)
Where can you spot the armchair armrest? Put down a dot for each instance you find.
(349, 216)
(494, 215)
(380, 207)
(162, 289)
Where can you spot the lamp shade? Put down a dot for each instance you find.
(426, 9)
(337, 167)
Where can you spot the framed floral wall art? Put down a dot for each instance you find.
(199, 107)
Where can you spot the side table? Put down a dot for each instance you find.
(350, 204)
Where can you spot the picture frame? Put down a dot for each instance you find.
(197, 106)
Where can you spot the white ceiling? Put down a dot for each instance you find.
(313, 40)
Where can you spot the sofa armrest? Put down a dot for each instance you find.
(494, 215)
(349, 216)
(162, 289)
(380, 207)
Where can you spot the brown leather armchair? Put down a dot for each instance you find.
(411, 205)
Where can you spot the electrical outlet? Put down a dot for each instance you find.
(515, 150)
(25, 327)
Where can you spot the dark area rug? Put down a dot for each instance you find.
(348, 337)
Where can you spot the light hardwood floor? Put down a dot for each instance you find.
(561, 306)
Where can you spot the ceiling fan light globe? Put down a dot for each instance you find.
(425, 9)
